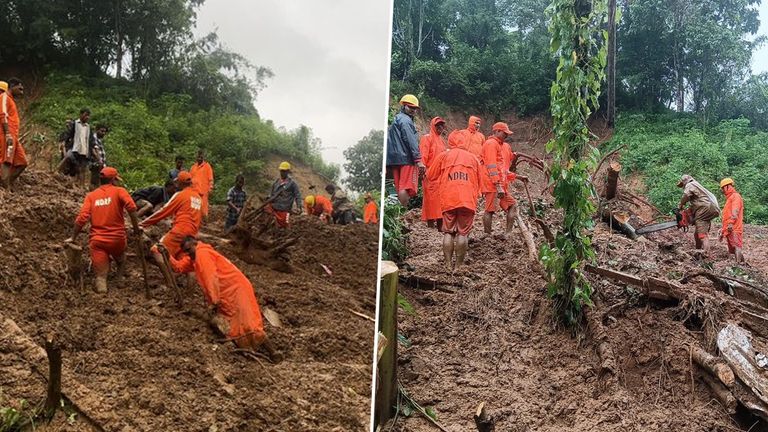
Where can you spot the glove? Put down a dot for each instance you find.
(9, 140)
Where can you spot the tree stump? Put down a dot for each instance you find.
(53, 400)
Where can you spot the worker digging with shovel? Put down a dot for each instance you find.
(234, 310)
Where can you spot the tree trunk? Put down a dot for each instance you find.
(52, 401)
(612, 184)
(611, 66)
(714, 366)
(386, 368)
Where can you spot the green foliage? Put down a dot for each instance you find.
(364, 162)
(16, 416)
(146, 135)
(405, 305)
(662, 147)
(579, 43)
(393, 246)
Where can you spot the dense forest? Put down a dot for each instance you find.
(683, 63)
(138, 67)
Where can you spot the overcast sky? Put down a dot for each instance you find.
(330, 60)
(760, 57)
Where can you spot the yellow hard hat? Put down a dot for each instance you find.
(284, 166)
(726, 181)
(3, 86)
(309, 200)
(409, 99)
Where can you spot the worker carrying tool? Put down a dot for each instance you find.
(495, 174)
(733, 219)
(342, 209)
(104, 208)
(703, 208)
(283, 195)
(202, 179)
(457, 172)
(230, 294)
(320, 206)
(371, 210)
(404, 162)
(431, 145)
(185, 206)
(151, 199)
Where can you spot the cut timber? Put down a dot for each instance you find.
(483, 421)
(737, 348)
(614, 219)
(533, 253)
(656, 289)
(612, 183)
(740, 289)
(91, 405)
(53, 399)
(723, 394)
(386, 370)
(714, 366)
(604, 347)
(750, 401)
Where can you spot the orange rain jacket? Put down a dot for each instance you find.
(507, 157)
(371, 213)
(225, 285)
(186, 208)
(474, 137)
(733, 202)
(492, 171)
(322, 206)
(104, 208)
(431, 145)
(202, 180)
(8, 111)
(457, 172)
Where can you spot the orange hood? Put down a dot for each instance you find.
(456, 140)
(471, 124)
(433, 125)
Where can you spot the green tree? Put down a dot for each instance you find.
(364, 161)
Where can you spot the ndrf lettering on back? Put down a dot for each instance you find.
(458, 176)
(103, 202)
(196, 203)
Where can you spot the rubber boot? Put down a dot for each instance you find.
(100, 284)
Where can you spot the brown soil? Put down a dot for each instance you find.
(160, 367)
(494, 340)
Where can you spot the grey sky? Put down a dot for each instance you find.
(330, 60)
(760, 57)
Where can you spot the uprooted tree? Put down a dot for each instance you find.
(577, 38)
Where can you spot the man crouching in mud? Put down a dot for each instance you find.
(234, 309)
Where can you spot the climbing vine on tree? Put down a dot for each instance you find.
(577, 39)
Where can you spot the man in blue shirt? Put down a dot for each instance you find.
(403, 156)
(236, 198)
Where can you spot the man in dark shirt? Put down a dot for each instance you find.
(283, 195)
(235, 202)
(150, 199)
(176, 170)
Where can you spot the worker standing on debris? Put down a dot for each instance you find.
(342, 208)
(496, 159)
(229, 293)
(403, 157)
(236, 198)
(371, 210)
(104, 208)
(702, 210)
(13, 156)
(320, 206)
(202, 179)
(733, 219)
(151, 199)
(431, 145)
(457, 172)
(98, 154)
(283, 195)
(79, 143)
(473, 137)
(185, 206)
(174, 172)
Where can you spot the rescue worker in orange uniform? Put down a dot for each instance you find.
(733, 219)
(320, 206)
(202, 179)
(404, 162)
(431, 145)
(371, 210)
(496, 159)
(103, 208)
(473, 136)
(457, 172)
(229, 292)
(185, 206)
(13, 157)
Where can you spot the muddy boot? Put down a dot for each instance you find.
(220, 324)
(120, 273)
(100, 284)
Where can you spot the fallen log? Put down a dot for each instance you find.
(736, 346)
(723, 394)
(618, 221)
(733, 286)
(533, 253)
(714, 366)
(650, 287)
